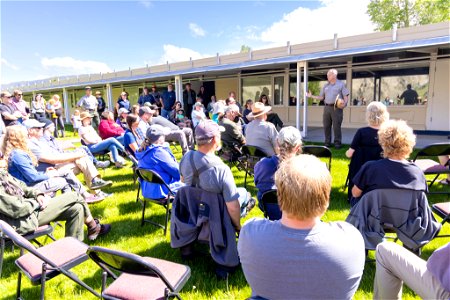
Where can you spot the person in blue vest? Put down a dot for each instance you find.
(168, 102)
(146, 97)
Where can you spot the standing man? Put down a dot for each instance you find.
(89, 103)
(168, 101)
(101, 103)
(146, 97)
(157, 97)
(411, 97)
(21, 105)
(188, 99)
(335, 97)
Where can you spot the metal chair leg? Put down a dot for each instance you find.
(143, 213)
(2, 252)
(43, 278)
(167, 216)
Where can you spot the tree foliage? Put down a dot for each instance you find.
(385, 13)
(245, 49)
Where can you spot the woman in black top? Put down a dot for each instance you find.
(365, 146)
(272, 117)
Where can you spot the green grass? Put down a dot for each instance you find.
(123, 213)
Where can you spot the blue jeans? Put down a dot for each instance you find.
(120, 139)
(165, 113)
(243, 200)
(110, 144)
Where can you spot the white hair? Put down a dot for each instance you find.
(334, 71)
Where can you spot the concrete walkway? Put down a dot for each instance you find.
(316, 135)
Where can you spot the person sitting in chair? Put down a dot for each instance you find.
(299, 256)
(155, 155)
(259, 132)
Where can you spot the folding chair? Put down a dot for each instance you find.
(46, 230)
(252, 154)
(134, 165)
(269, 205)
(44, 263)
(319, 151)
(141, 277)
(442, 209)
(152, 177)
(430, 166)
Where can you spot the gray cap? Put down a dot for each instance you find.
(207, 129)
(155, 131)
(33, 123)
(145, 110)
(123, 110)
(289, 135)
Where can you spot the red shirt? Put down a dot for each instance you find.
(109, 128)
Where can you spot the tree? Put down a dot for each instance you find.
(245, 49)
(385, 13)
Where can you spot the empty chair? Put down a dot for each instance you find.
(429, 166)
(442, 209)
(319, 151)
(140, 277)
(44, 263)
(152, 177)
(269, 205)
(252, 154)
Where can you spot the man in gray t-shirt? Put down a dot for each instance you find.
(298, 256)
(259, 132)
(335, 97)
(216, 177)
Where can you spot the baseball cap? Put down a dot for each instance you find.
(233, 108)
(289, 135)
(33, 123)
(145, 110)
(207, 129)
(155, 131)
(47, 123)
(88, 88)
(122, 110)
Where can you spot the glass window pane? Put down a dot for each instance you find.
(278, 85)
(392, 88)
(254, 87)
(362, 91)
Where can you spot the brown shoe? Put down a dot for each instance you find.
(100, 229)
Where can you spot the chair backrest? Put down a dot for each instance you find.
(269, 202)
(319, 151)
(125, 263)
(83, 142)
(131, 157)
(16, 238)
(254, 151)
(434, 150)
(152, 177)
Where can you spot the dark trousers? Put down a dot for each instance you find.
(332, 117)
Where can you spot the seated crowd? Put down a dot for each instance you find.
(290, 257)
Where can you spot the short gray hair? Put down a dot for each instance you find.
(334, 71)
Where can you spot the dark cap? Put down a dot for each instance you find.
(207, 129)
(88, 88)
(47, 123)
(155, 131)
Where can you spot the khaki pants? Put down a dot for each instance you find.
(396, 265)
(82, 165)
(69, 207)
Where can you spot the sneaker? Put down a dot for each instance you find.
(445, 181)
(100, 229)
(98, 183)
(103, 194)
(251, 203)
(93, 199)
(103, 164)
(119, 164)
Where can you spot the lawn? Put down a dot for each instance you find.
(123, 213)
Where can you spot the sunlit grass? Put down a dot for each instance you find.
(123, 213)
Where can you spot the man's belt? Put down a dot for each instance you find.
(326, 104)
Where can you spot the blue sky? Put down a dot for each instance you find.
(42, 39)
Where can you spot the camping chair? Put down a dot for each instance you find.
(46, 230)
(319, 151)
(443, 211)
(152, 177)
(140, 277)
(429, 166)
(44, 263)
(252, 154)
(134, 165)
(269, 205)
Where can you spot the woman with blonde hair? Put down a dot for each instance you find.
(365, 146)
(394, 171)
(22, 162)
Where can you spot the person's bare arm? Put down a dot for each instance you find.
(134, 146)
(309, 95)
(349, 152)
(356, 191)
(234, 210)
(16, 115)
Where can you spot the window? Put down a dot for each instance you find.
(278, 86)
(255, 86)
(392, 88)
(362, 91)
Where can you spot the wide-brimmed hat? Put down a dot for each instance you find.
(98, 93)
(155, 131)
(84, 115)
(207, 129)
(259, 109)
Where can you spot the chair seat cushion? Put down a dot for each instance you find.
(148, 287)
(429, 166)
(66, 252)
(442, 208)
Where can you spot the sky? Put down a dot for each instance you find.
(45, 39)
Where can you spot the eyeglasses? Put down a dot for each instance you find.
(19, 94)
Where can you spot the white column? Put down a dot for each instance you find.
(66, 105)
(305, 99)
(109, 95)
(179, 88)
(297, 96)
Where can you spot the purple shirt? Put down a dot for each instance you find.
(438, 265)
(20, 105)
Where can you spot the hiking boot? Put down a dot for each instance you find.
(251, 203)
(98, 183)
(100, 229)
(103, 164)
(93, 199)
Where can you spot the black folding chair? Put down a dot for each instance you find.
(269, 205)
(319, 151)
(430, 166)
(44, 263)
(442, 209)
(153, 177)
(134, 165)
(140, 277)
(41, 231)
(252, 154)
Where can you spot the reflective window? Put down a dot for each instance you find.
(394, 90)
(254, 87)
(278, 85)
(362, 91)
